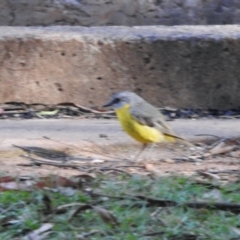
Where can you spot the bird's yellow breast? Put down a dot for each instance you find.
(139, 132)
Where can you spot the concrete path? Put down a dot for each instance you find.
(86, 138)
(80, 130)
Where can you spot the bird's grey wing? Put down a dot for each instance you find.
(148, 115)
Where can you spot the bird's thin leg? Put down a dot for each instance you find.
(150, 149)
(136, 158)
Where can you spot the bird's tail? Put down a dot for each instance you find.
(171, 137)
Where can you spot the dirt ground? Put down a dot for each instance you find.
(92, 146)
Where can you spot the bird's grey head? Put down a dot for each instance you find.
(119, 99)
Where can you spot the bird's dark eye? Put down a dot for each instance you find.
(116, 100)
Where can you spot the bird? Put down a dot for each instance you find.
(141, 120)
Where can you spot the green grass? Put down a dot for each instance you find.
(22, 212)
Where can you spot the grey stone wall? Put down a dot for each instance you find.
(118, 12)
(179, 66)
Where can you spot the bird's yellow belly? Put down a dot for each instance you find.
(139, 132)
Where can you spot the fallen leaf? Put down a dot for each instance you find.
(214, 194)
(79, 210)
(87, 176)
(49, 113)
(219, 145)
(45, 153)
(225, 149)
(222, 147)
(29, 184)
(152, 168)
(210, 175)
(55, 181)
(6, 179)
(235, 230)
(40, 233)
(104, 214)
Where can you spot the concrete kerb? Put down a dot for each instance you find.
(178, 66)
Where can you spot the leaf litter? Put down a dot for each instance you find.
(70, 110)
(89, 182)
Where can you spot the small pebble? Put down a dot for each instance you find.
(101, 135)
(169, 160)
(235, 154)
(97, 161)
(198, 163)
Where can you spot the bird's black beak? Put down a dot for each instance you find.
(108, 104)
